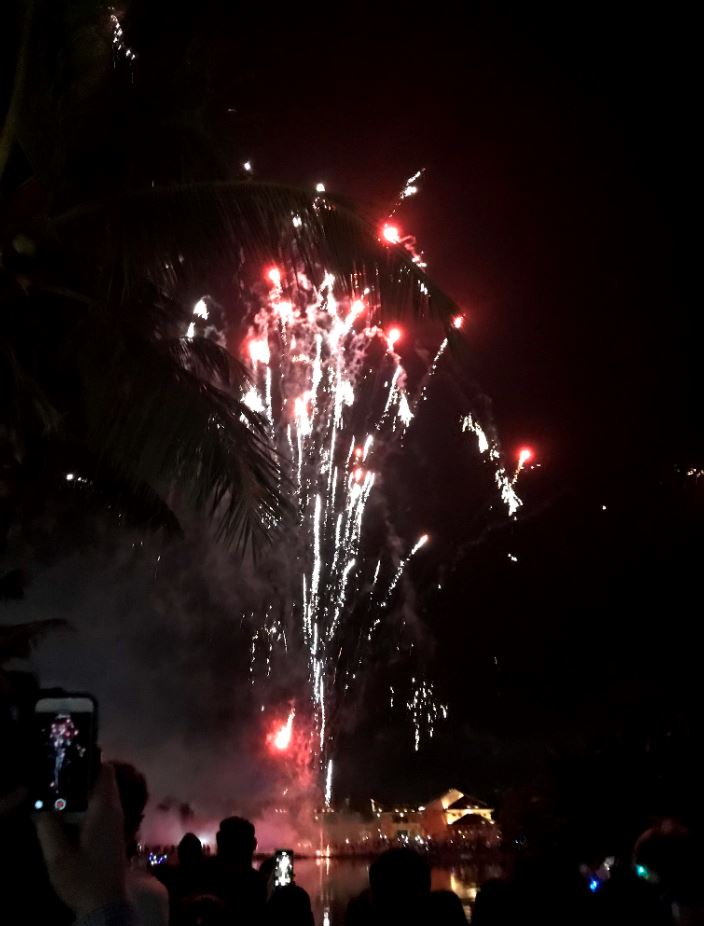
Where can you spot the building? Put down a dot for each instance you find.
(453, 817)
(440, 819)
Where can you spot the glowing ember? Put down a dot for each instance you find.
(393, 336)
(526, 454)
(458, 321)
(274, 276)
(391, 234)
(280, 739)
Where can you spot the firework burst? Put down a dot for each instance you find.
(328, 380)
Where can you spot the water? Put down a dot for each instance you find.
(332, 882)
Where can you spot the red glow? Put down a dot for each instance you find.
(274, 276)
(526, 455)
(358, 473)
(280, 737)
(391, 234)
(393, 336)
(358, 452)
(457, 321)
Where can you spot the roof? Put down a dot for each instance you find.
(466, 802)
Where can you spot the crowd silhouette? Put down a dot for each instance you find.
(93, 876)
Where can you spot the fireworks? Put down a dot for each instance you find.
(119, 45)
(328, 380)
(505, 483)
(425, 711)
(316, 359)
(280, 738)
(525, 455)
(391, 234)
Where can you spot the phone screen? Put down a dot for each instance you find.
(284, 867)
(64, 736)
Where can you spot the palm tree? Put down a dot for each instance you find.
(115, 208)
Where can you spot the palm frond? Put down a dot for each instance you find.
(18, 640)
(157, 422)
(209, 361)
(14, 109)
(213, 224)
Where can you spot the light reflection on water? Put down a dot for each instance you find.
(332, 882)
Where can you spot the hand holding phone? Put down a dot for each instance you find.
(87, 869)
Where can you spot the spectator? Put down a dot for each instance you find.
(400, 892)
(185, 881)
(146, 893)
(230, 875)
(288, 905)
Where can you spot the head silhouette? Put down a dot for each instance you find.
(667, 852)
(132, 787)
(399, 876)
(236, 840)
(189, 850)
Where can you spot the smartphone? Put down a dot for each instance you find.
(65, 736)
(283, 867)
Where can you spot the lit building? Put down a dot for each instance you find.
(453, 817)
(452, 813)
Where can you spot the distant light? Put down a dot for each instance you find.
(247, 166)
(320, 188)
(394, 335)
(391, 234)
(604, 507)
(297, 221)
(275, 276)
(525, 455)
(358, 473)
(201, 309)
(458, 321)
(357, 306)
(38, 805)
(70, 477)
(642, 871)
(594, 884)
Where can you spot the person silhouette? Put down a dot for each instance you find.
(400, 892)
(288, 904)
(230, 875)
(148, 895)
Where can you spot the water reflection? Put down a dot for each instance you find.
(332, 882)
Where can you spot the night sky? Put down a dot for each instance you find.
(555, 209)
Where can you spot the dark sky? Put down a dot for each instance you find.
(556, 208)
